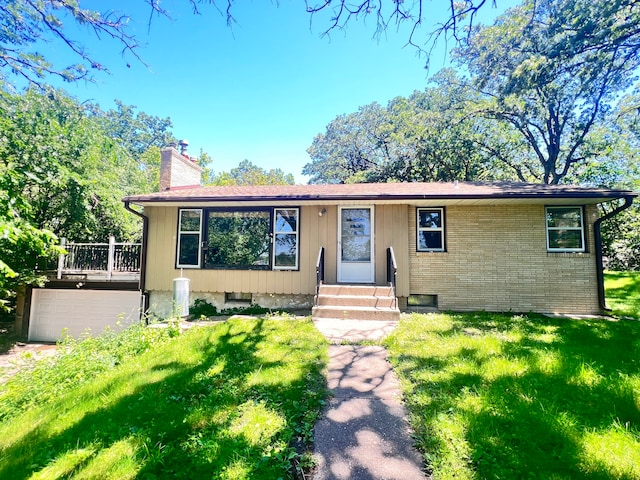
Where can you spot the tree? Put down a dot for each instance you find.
(26, 23)
(351, 145)
(552, 70)
(621, 234)
(62, 174)
(396, 13)
(246, 173)
(142, 136)
(428, 136)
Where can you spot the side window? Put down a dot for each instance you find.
(285, 235)
(189, 228)
(430, 230)
(565, 229)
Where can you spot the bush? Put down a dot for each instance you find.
(76, 362)
(203, 309)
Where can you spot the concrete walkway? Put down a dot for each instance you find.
(363, 433)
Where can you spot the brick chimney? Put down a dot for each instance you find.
(177, 169)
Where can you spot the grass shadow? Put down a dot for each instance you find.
(513, 396)
(184, 412)
(7, 337)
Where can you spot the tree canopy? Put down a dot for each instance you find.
(246, 173)
(63, 173)
(552, 70)
(428, 136)
(26, 23)
(535, 105)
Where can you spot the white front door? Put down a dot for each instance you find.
(355, 245)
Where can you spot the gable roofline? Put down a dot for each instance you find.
(380, 192)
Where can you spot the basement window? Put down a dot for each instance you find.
(237, 297)
(423, 301)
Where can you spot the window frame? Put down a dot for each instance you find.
(189, 232)
(202, 240)
(581, 228)
(440, 229)
(275, 233)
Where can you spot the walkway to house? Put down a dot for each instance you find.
(363, 433)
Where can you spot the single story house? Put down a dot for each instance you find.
(452, 246)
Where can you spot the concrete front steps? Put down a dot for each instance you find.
(356, 302)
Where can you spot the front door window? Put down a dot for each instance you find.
(356, 235)
(356, 245)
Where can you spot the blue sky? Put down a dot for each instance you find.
(260, 90)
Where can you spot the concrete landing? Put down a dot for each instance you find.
(337, 330)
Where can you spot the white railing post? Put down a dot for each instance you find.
(63, 243)
(111, 258)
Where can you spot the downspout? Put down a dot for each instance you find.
(598, 239)
(143, 253)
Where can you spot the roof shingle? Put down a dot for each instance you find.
(377, 191)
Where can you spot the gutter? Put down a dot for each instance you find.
(597, 196)
(143, 253)
(628, 200)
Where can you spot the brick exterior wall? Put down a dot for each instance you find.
(177, 171)
(496, 259)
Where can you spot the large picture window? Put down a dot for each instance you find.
(189, 228)
(249, 239)
(565, 229)
(237, 239)
(430, 230)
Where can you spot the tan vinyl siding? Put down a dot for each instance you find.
(497, 260)
(315, 231)
(162, 252)
(391, 231)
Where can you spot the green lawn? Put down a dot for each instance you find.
(226, 401)
(489, 395)
(623, 293)
(522, 396)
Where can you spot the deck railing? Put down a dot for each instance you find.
(109, 258)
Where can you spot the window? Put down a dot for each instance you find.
(238, 239)
(422, 301)
(189, 227)
(237, 297)
(241, 238)
(285, 235)
(430, 231)
(565, 229)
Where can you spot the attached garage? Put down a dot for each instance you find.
(78, 310)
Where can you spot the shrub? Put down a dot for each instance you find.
(76, 362)
(203, 309)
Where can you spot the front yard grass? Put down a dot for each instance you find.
(521, 396)
(623, 293)
(226, 401)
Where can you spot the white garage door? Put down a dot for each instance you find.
(53, 310)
